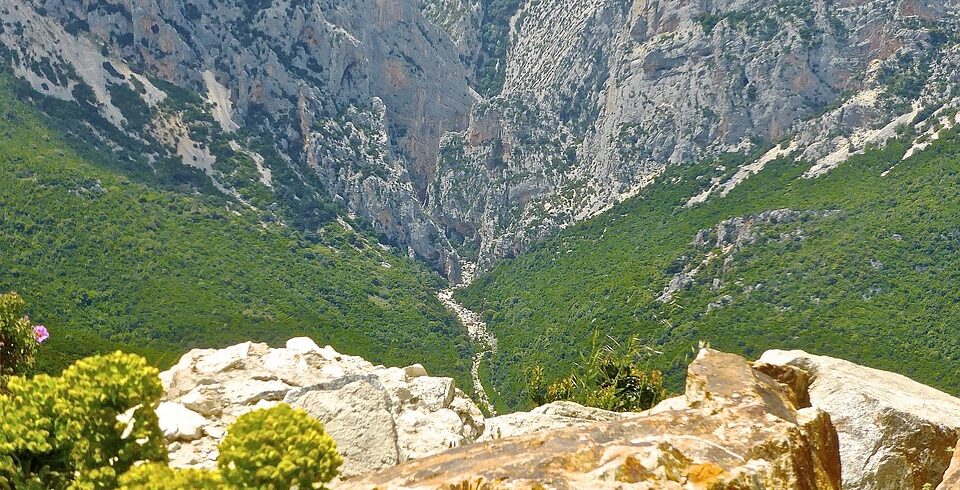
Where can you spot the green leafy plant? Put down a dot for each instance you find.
(83, 428)
(611, 377)
(18, 337)
(278, 448)
(158, 476)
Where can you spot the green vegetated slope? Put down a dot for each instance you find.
(108, 261)
(868, 270)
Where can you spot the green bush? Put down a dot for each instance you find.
(83, 428)
(158, 476)
(17, 341)
(278, 448)
(95, 426)
(610, 378)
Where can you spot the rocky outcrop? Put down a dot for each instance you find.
(951, 479)
(894, 433)
(727, 239)
(551, 416)
(735, 428)
(378, 416)
(355, 96)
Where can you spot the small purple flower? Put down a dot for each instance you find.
(40, 333)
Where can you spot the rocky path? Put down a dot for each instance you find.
(477, 329)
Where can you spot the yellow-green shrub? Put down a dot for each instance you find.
(278, 448)
(82, 429)
(158, 476)
(17, 343)
(611, 377)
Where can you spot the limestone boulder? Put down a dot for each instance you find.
(737, 428)
(894, 433)
(379, 416)
(179, 423)
(357, 413)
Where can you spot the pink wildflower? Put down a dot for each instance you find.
(40, 333)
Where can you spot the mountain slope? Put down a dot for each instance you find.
(861, 263)
(472, 129)
(98, 255)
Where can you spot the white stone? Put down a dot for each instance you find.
(359, 418)
(893, 431)
(302, 345)
(432, 393)
(247, 392)
(329, 353)
(554, 415)
(577, 411)
(204, 399)
(179, 423)
(378, 416)
(421, 434)
(669, 405)
(223, 359)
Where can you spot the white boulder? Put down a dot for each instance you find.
(179, 423)
(894, 433)
(378, 416)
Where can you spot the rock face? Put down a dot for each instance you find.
(951, 479)
(600, 95)
(378, 416)
(373, 104)
(894, 433)
(735, 428)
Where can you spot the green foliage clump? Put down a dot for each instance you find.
(17, 343)
(95, 426)
(278, 448)
(611, 377)
(82, 429)
(159, 476)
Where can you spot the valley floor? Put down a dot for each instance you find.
(483, 340)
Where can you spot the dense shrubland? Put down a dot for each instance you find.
(876, 280)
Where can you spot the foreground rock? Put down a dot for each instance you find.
(378, 416)
(951, 479)
(556, 415)
(735, 428)
(894, 433)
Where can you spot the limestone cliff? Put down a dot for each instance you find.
(374, 104)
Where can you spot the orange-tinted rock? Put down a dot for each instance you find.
(739, 429)
(951, 479)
